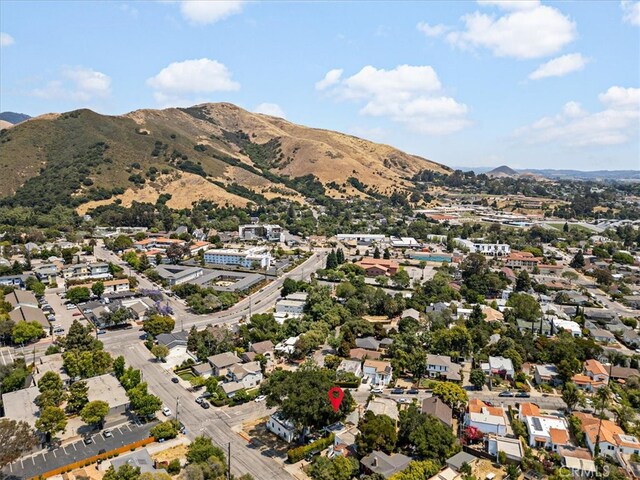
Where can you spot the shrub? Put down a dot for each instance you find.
(296, 454)
(174, 466)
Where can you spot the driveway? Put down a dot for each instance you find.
(35, 465)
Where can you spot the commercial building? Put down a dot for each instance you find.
(21, 405)
(257, 231)
(360, 238)
(376, 267)
(178, 274)
(495, 249)
(249, 258)
(107, 388)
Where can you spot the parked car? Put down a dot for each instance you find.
(87, 440)
(261, 398)
(413, 391)
(397, 391)
(107, 433)
(175, 380)
(199, 400)
(403, 400)
(506, 393)
(101, 332)
(205, 405)
(77, 314)
(522, 395)
(166, 411)
(377, 390)
(101, 451)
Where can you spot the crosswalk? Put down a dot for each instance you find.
(6, 356)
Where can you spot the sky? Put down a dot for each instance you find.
(525, 83)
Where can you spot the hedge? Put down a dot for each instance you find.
(297, 454)
(348, 384)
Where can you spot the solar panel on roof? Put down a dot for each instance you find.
(536, 424)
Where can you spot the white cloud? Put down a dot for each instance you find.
(6, 39)
(560, 66)
(78, 84)
(178, 81)
(432, 30)
(272, 109)
(331, 78)
(617, 123)
(631, 12)
(532, 32)
(204, 12)
(407, 94)
(511, 4)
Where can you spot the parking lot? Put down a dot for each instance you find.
(64, 317)
(40, 463)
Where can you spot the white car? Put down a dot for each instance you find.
(377, 390)
(166, 411)
(261, 398)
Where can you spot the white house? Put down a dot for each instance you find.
(485, 418)
(288, 346)
(282, 427)
(292, 308)
(499, 366)
(353, 366)
(442, 366)
(378, 372)
(544, 431)
(568, 325)
(249, 375)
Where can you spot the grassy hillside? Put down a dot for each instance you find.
(81, 156)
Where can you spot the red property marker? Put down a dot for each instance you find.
(335, 396)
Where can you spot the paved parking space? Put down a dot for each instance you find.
(40, 463)
(64, 317)
(6, 356)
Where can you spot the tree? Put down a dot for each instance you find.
(51, 390)
(157, 324)
(571, 395)
(332, 362)
(523, 282)
(427, 436)
(603, 276)
(332, 261)
(142, 402)
(201, 449)
(340, 256)
(165, 430)
(418, 470)
(386, 254)
(175, 253)
(337, 468)
(25, 332)
(477, 378)
(130, 378)
(78, 398)
(118, 366)
(94, 412)
(302, 396)
(578, 260)
(377, 432)
(80, 338)
(570, 275)
(160, 352)
(122, 242)
(524, 306)
(98, 289)
(376, 253)
(401, 278)
(51, 421)
(451, 393)
(125, 472)
(78, 295)
(16, 438)
(565, 227)
(38, 288)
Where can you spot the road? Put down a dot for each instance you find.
(217, 423)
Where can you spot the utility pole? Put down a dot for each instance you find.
(177, 407)
(229, 461)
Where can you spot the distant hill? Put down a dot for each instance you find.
(13, 118)
(560, 174)
(218, 152)
(502, 171)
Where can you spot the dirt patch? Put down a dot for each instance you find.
(179, 452)
(185, 189)
(485, 467)
(257, 434)
(90, 472)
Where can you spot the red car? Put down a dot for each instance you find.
(77, 314)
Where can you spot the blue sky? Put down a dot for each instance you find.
(527, 84)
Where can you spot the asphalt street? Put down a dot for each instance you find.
(217, 423)
(35, 465)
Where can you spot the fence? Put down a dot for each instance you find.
(87, 461)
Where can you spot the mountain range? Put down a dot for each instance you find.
(505, 171)
(217, 152)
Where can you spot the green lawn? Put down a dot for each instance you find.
(187, 376)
